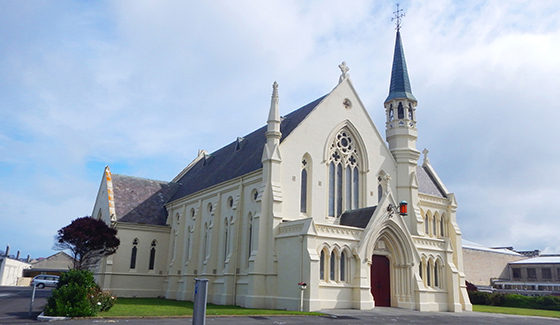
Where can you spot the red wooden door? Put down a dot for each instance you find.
(380, 281)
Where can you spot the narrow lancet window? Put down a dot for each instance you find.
(401, 111)
(343, 266)
(134, 253)
(303, 194)
(322, 266)
(152, 255)
(332, 267)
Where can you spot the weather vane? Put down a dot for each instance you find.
(398, 16)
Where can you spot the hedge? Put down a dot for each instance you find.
(514, 300)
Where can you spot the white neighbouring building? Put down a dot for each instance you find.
(306, 198)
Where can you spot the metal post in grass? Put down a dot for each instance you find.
(200, 299)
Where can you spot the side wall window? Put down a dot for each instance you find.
(134, 253)
(249, 235)
(152, 255)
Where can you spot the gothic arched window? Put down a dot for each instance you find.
(134, 253)
(206, 243)
(226, 238)
(401, 111)
(152, 255)
(332, 267)
(304, 185)
(249, 235)
(344, 178)
(343, 266)
(322, 265)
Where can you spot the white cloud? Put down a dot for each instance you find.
(143, 85)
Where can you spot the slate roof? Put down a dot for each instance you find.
(357, 218)
(140, 200)
(400, 84)
(427, 184)
(228, 163)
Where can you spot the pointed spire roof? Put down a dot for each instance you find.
(400, 84)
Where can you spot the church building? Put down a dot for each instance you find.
(315, 210)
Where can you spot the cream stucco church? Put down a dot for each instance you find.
(311, 197)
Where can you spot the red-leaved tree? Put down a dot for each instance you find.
(89, 240)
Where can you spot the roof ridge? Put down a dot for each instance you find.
(141, 178)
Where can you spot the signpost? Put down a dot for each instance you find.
(200, 299)
(32, 299)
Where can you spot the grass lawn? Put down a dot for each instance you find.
(516, 311)
(162, 307)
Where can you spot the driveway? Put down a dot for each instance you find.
(15, 301)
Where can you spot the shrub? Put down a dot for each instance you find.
(101, 300)
(548, 302)
(479, 298)
(77, 295)
(70, 300)
(519, 301)
(514, 300)
(496, 299)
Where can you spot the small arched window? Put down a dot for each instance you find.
(304, 186)
(343, 266)
(322, 263)
(421, 270)
(428, 274)
(410, 112)
(226, 239)
(332, 269)
(152, 255)
(442, 226)
(426, 224)
(434, 225)
(436, 275)
(188, 244)
(249, 235)
(134, 253)
(401, 111)
(391, 113)
(206, 248)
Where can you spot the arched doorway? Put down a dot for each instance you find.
(380, 280)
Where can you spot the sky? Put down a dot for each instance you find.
(141, 86)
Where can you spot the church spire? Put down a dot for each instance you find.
(400, 84)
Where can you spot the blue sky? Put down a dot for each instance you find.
(142, 85)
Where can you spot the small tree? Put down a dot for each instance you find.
(89, 240)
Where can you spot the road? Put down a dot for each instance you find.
(14, 304)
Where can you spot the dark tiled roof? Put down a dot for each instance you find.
(427, 184)
(140, 200)
(357, 218)
(400, 84)
(228, 163)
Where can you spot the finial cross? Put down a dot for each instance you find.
(398, 15)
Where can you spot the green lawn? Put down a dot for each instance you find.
(516, 311)
(162, 307)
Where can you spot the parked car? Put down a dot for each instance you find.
(45, 280)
